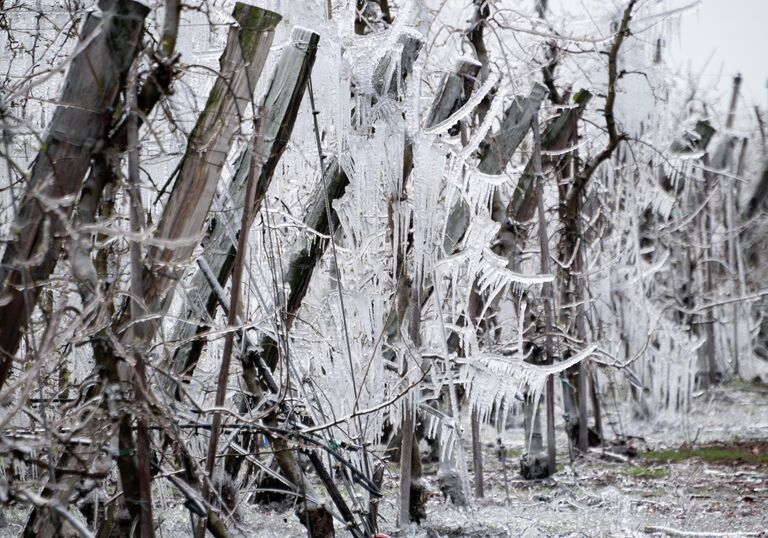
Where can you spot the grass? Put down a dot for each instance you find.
(646, 472)
(711, 454)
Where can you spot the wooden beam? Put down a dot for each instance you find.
(80, 123)
(230, 99)
(281, 106)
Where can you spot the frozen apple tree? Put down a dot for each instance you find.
(258, 251)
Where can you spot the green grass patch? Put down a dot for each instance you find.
(646, 472)
(711, 454)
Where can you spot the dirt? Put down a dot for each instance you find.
(709, 476)
(594, 497)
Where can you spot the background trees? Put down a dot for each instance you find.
(447, 209)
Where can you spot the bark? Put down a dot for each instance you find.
(406, 451)
(595, 403)
(335, 494)
(79, 125)
(281, 106)
(318, 521)
(412, 498)
(373, 505)
(140, 500)
(573, 292)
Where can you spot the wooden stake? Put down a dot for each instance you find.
(546, 292)
(80, 123)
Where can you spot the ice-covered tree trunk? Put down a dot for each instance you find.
(557, 135)
(411, 492)
(79, 125)
(547, 291)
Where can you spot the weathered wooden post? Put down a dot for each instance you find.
(79, 125)
(242, 61)
(281, 106)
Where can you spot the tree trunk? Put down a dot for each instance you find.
(477, 454)
(406, 449)
(140, 500)
(547, 292)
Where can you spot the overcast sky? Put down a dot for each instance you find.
(725, 37)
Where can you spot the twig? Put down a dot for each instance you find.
(675, 532)
(226, 359)
(614, 137)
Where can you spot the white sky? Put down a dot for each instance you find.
(720, 38)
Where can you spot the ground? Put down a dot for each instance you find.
(705, 474)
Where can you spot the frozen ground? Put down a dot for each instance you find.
(591, 497)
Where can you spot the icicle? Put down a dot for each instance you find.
(472, 103)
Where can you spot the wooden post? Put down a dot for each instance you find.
(547, 292)
(281, 106)
(185, 213)
(455, 89)
(79, 124)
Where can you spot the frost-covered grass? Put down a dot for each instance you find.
(646, 472)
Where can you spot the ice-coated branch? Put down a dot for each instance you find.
(614, 137)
